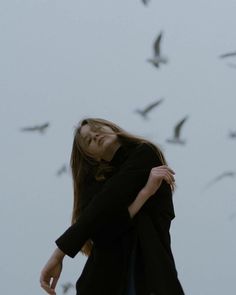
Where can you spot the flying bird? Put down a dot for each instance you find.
(145, 2)
(229, 54)
(61, 170)
(144, 112)
(157, 56)
(176, 134)
(38, 128)
(232, 134)
(220, 177)
(66, 287)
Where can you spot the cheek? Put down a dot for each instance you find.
(94, 151)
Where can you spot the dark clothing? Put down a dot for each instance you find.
(107, 222)
(131, 280)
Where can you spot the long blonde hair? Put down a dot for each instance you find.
(83, 165)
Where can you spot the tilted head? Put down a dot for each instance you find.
(98, 139)
(95, 143)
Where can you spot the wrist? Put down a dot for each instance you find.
(58, 254)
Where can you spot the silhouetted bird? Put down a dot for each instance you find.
(146, 110)
(157, 57)
(232, 134)
(176, 134)
(66, 287)
(39, 128)
(145, 2)
(221, 176)
(229, 54)
(62, 170)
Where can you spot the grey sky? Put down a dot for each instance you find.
(64, 60)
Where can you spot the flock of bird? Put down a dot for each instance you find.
(156, 60)
(176, 138)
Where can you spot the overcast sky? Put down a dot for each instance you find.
(62, 61)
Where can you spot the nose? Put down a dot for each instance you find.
(95, 135)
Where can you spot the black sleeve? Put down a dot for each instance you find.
(112, 202)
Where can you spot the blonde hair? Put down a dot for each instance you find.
(83, 165)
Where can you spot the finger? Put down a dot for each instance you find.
(172, 177)
(54, 282)
(47, 288)
(163, 168)
(162, 173)
(168, 178)
(170, 170)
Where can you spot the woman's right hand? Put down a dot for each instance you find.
(51, 272)
(156, 176)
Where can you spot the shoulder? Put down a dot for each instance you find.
(145, 149)
(143, 154)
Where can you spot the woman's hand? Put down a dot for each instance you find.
(156, 176)
(51, 272)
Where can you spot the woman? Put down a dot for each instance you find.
(121, 215)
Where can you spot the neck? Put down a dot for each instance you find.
(110, 154)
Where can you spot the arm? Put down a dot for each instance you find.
(51, 272)
(157, 175)
(118, 193)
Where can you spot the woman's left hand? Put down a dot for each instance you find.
(156, 176)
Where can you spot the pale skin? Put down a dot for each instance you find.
(105, 149)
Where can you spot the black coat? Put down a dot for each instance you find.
(106, 220)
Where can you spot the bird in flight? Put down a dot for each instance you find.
(157, 56)
(220, 177)
(145, 2)
(66, 287)
(176, 133)
(61, 170)
(38, 128)
(144, 112)
(229, 54)
(232, 134)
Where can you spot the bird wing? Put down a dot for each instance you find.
(152, 105)
(29, 128)
(36, 127)
(179, 126)
(222, 175)
(227, 54)
(43, 126)
(156, 46)
(66, 287)
(232, 133)
(61, 170)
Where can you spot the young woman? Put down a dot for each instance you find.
(121, 216)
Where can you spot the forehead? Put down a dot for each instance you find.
(85, 129)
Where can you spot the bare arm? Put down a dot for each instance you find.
(52, 270)
(157, 175)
